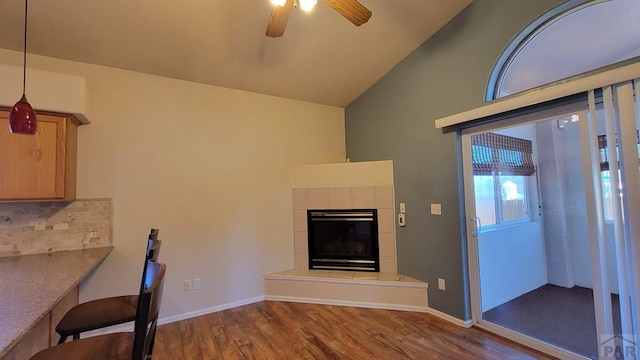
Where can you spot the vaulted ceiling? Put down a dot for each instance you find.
(322, 57)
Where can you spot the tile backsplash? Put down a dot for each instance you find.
(42, 227)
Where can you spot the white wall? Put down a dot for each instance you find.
(352, 174)
(512, 263)
(513, 258)
(554, 204)
(209, 166)
(50, 90)
(576, 213)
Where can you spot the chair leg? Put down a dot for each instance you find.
(151, 343)
(76, 336)
(62, 339)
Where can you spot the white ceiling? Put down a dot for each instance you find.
(322, 58)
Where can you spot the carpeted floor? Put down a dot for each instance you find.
(560, 316)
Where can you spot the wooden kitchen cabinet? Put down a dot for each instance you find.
(40, 166)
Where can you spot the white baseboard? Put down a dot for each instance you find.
(369, 305)
(209, 310)
(169, 319)
(449, 318)
(424, 309)
(347, 303)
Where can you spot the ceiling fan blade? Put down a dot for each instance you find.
(350, 9)
(278, 19)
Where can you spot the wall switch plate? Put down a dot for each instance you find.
(188, 285)
(196, 284)
(403, 208)
(436, 209)
(441, 284)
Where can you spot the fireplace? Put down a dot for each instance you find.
(343, 239)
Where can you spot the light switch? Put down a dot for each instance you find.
(436, 209)
(402, 220)
(402, 208)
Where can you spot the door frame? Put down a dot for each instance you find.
(581, 107)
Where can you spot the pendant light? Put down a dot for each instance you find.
(22, 119)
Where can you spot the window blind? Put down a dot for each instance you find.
(604, 153)
(500, 154)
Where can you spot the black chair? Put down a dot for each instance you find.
(153, 234)
(101, 313)
(120, 346)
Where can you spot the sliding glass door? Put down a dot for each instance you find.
(553, 225)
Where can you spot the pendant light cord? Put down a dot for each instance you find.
(24, 57)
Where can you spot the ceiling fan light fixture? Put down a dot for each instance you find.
(307, 5)
(278, 2)
(352, 10)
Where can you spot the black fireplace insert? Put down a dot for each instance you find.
(343, 239)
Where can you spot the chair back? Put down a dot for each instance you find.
(153, 245)
(153, 249)
(148, 310)
(153, 234)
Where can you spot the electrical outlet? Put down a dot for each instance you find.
(188, 285)
(196, 284)
(441, 284)
(436, 209)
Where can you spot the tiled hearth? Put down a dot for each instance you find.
(350, 288)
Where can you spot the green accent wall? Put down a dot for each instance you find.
(394, 120)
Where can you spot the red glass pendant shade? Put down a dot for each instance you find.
(22, 119)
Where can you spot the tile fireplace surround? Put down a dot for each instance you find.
(360, 197)
(338, 186)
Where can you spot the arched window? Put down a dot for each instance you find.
(573, 38)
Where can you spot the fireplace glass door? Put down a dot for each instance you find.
(343, 239)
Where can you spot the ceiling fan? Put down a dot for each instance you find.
(350, 9)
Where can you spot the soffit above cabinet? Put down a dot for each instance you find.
(47, 91)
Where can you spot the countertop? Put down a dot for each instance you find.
(31, 285)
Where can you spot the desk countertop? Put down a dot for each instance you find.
(31, 285)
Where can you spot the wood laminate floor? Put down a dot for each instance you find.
(281, 330)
